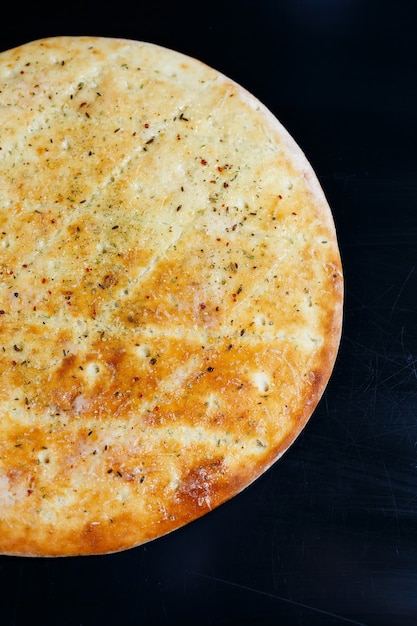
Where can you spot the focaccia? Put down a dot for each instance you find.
(170, 293)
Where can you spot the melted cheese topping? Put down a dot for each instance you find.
(170, 293)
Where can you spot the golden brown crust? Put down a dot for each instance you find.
(171, 293)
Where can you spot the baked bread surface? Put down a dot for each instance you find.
(170, 293)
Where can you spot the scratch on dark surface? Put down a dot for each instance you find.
(274, 596)
(18, 593)
(407, 278)
(391, 370)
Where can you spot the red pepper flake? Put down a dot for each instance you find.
(294, 213)
(43, 281)
(146, 125)
(219, 168)
(203, 162)
(178, 137)
(29, 492)
(202, 305)
(225, 185)
(2, 312)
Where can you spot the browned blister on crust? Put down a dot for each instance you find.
(170, 291)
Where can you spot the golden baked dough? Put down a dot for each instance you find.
(170, 293)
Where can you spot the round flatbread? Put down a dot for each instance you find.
(170, 293)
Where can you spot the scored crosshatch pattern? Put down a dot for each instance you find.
(171, 293)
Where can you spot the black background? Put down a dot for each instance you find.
(328, 536)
